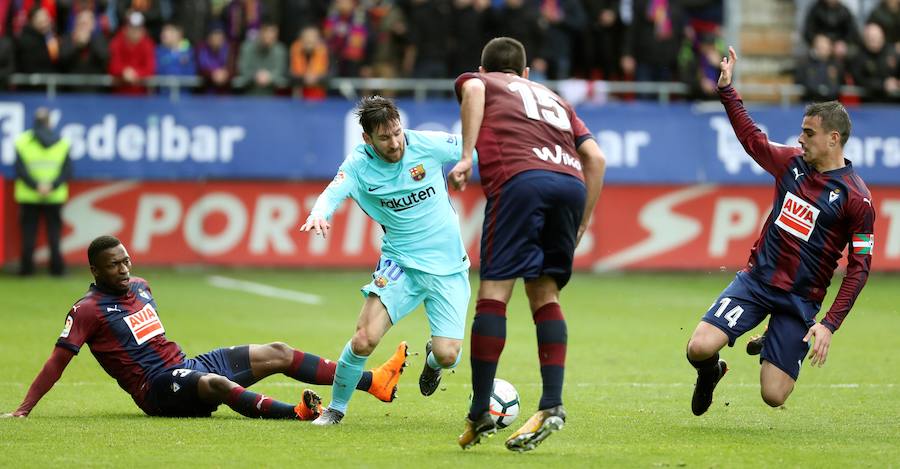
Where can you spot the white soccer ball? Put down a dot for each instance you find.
(504, 403)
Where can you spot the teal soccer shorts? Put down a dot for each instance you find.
(401, 290)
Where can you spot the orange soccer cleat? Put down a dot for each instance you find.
(386, 376)
(310, 406)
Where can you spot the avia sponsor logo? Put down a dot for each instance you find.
(797, 216)
(559, 157)
(144, 324)
(408, 202)
(158, 138)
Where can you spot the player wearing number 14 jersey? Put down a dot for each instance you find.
(821, 205)
(541, 171)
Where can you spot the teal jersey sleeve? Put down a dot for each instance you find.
(409, 199)
(342, 186)
(446, 147)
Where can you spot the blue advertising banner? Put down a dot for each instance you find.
(201, 138)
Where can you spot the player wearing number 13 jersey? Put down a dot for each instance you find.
(821, 206)
(541, 171)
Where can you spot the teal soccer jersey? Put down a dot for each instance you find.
(408, 198)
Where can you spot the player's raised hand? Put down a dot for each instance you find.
(320, 225)
(727, 67)
(460, 174)
(822, 336)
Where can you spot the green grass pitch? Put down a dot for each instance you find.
(627, 390)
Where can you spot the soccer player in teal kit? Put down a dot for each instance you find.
(397, 178)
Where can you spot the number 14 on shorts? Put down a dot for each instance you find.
(732, 315)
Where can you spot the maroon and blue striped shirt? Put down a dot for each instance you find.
(814, 218)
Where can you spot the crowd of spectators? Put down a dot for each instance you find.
(840, 53)
(270, 46)
(280, 46)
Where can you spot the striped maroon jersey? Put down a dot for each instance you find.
(526, 126)
(815, 216)
(125, 335)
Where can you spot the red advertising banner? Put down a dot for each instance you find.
(255, 223)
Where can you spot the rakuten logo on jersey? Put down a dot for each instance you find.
(408, 202)
(560, 157)
(797, 216)
(144, 324)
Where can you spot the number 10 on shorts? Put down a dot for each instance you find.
(732, 315)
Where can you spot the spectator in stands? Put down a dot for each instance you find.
(243, 20)
(833, 19)
(699, 63)
(69, 11)
(262, 62)
(174, 55)
(84, 51)
(151, 10)
(131, 56)
(7, 60)
(468, 34)
(519, 20)
(429, 30)
(887, 15)
(193, 17)
(309, 63)
(820, 73)
(214, 60)
(564, 22)
(604, 44)
(37, 49)
(874, 68)
(653, 39)
(388, 41)
(298, 14)
(20, 11)
(346, 33)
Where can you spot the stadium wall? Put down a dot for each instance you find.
(225, 180)
(659, 227)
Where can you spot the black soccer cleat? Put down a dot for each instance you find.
(703, 389)
(430, 378)
(756, 343)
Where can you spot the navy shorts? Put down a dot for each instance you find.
(747, 301)
(173, 393)
(530, 227)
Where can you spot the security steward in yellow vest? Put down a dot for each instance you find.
(42, 174)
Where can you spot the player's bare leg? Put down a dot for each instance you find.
(703, 354)
(218, 389)
(440, 353)
(488, 339)
(550, 325)
(774, 384)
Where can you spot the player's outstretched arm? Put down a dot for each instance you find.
(727, 68)
(819, 351)
(593, 164)
(48, 376)
(471, 114)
